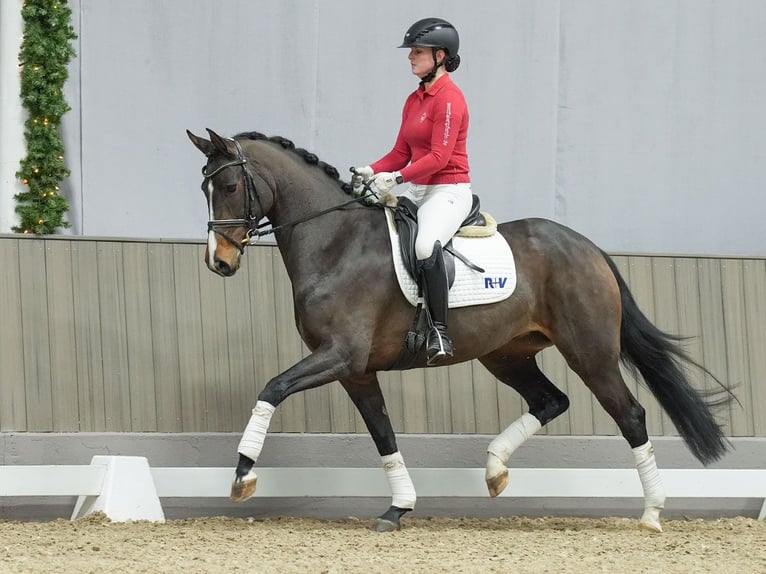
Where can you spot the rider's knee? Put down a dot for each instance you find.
(424, 247)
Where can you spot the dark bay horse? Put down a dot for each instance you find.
(351, 314)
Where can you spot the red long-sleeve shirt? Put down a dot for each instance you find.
(431, 146)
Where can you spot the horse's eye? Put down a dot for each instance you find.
(230, 188)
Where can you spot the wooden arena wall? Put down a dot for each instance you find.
(100, 335)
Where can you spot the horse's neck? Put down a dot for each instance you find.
(307, 252)
(306, 240)
(304, 237)
(301, 196)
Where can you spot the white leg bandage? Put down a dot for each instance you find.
(252, 439)
(654, 492)
(402, 489)
(517, 433)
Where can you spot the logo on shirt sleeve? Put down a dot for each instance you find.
(447, 117)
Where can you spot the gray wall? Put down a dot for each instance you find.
(138, 336)
(638, 123)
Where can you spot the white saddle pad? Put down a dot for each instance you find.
(493, 254)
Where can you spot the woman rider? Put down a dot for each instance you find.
(430, 154)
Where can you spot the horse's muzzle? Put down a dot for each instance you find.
(222, 266)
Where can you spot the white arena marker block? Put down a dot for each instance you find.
(128, 492)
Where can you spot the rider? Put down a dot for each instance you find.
(430, 154)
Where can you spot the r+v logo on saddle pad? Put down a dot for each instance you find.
(495, 283)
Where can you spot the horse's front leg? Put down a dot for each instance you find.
(249, 449)
(366, 395)
(319, 368)
(545, 401)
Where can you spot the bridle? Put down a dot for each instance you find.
(254, 209)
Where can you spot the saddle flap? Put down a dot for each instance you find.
(406, 221)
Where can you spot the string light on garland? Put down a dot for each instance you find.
(45, 53)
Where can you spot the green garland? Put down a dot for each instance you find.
(44, 56)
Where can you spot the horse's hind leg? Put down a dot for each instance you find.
(605, 381)
(600, 372)
(587, 332)
(545, 401)
(366, 395)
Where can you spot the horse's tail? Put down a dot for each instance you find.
(659, 358)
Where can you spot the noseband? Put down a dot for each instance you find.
(253, 208)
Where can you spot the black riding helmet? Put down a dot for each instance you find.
(435, 33)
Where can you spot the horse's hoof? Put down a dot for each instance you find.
(390, 520)
(650, 526)
(497, 483)
(651, 520)
(244, 487)
(382, 525)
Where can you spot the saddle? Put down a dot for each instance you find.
(406, 220)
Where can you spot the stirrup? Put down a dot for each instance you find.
(439, 345)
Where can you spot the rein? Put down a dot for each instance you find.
(252, 217)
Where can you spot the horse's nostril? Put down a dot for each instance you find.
(222, 267)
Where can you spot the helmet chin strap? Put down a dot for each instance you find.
(432, 74)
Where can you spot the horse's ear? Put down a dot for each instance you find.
(203, 145)
(219, 143)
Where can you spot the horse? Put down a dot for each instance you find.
(353, 317)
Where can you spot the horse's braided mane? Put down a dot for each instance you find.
(307, 156)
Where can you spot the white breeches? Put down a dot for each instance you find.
(441, 210)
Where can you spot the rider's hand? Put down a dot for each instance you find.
(385, 181)
(361, 176)
(357, 186)
(365, 173)
(371, 198)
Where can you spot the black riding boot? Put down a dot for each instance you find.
(436, 291)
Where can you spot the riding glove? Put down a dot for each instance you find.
(365, 173)
(386, 181)
(372, 198)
